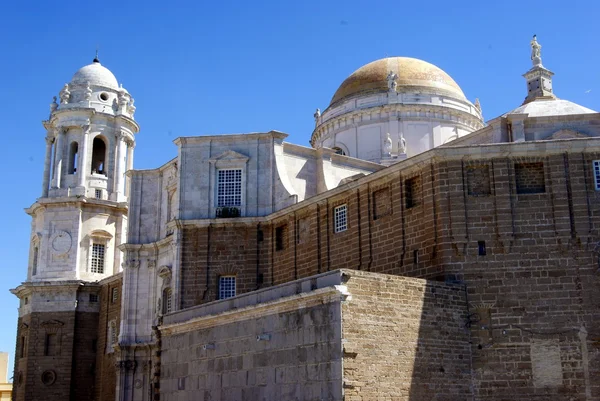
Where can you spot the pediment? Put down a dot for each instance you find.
(230, 157)
(52, 323)
(567, 134)
(164, 271)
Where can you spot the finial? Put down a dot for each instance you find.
(96, 59)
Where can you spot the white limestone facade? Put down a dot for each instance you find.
(81, 215)
(416, 103)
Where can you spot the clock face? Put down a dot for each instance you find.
(61, 242)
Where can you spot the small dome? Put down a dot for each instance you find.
(413, 75)
(550, 107)
(95, 74)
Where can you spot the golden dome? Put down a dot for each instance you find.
(413, 75)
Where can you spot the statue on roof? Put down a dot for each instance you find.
(391, 78)
(387, 146)
(536, 53)
(317, 116)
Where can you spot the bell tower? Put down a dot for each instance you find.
(77, 224)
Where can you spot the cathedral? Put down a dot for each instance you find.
(413, 252)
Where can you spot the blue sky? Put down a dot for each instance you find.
(203, 67)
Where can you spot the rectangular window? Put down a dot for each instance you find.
(51, 345)
(97, 258)
(481, 248)
(280, 237)
(226, 287)
(93, 298)
(597, 175)
(115, 295)
(167, 301)
(98, 194)
(229, 187)
(412, 187)
(340, 215)
(23, 347)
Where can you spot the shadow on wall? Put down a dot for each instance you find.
(405, 339)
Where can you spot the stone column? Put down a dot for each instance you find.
(120, 167)
(130, 147)
(60, 133)
(83, 167)
(46, 177)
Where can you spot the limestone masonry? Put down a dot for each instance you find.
(414, 252)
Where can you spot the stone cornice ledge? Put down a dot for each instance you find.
(335, 293)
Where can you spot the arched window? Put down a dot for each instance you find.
(339, 151)
(167, 301)
(73, 151)
(99, 156)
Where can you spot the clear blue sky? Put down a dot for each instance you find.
(209, 67)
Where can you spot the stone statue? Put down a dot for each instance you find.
(387, 146)
(317, 115)
(53, 105)
(391, 78)
(402, 145)
(477, 104)
(123, 101)
(87, 94)
(65, 94)
(131, 107)
(536, 54)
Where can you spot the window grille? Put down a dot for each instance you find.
(98, 194)
(229, 187)
(226, 287)
(98, 251)
(93, 298)
(167, 301)
(597, 174)
(115, 295)
(341, 218)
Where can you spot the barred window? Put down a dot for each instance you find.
(229, 187)
(167, 300)
(341, 218)
(226, 287)
(93, 298)
(98, 193)
(98, 258)
(597, 175)
(114, 295)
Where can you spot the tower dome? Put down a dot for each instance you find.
(412, 75)
(96, 74)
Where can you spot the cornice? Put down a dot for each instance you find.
(401, 110)
(81, 201)
(317, 297)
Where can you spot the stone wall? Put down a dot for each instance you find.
(106, 357)
(277, 344)
(405, 339)
(44, 365)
